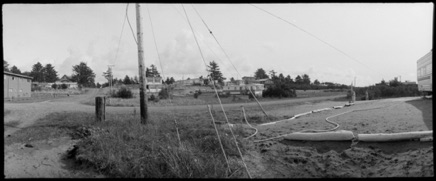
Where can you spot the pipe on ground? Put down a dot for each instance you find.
(339, 135)
(382, 137)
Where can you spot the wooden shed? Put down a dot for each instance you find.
(16, 85)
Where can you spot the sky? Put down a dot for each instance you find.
(340, 43)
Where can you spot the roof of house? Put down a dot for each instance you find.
(18, 75)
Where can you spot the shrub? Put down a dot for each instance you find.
(54, 86)
(163, 93)
(35, 88)
(153, 98)
(64, 86)
(123, 92)
(196, 95)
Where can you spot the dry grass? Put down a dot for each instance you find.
(122, 147)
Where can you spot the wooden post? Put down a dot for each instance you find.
(142, 78)
(100, 108)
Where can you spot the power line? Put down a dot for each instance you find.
(216, 92)
(121, 35)
(210, 31)
(217, 57)
(312, 35)
(133, 33)
(163, 75)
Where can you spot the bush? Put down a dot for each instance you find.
(385, 91)
(54, 86)
(196, 95)
(123, 92)
(153, 98)
(64, 86)
(35, 88)
(163, 93)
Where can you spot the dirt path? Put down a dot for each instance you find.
(279, 158)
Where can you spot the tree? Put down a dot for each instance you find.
(289, 80)
(172, 80)
(132, 81)
(298, 80)
(126, 80)
(152, 71)
(306, 79)
(394, 83)
(37, 72)
(260, 74)
(215, 73)
(83, 75)
(136, 79)
(27, 73)
(232, 80)
(272, 73)
(108, 74)
(50, 74)
(281, 77)
(15, 70)
(316, 82)
(5, 65)
(98, 85)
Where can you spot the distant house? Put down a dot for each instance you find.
(16, 85)
(264, 81)
(154, 85)
(243, 89)
(66, 80)
(248, 80)
(196, 81)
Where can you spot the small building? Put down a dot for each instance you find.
(16, 85)
(66, 80)
(243, 89)
(154, 85)
(196, 81)
(248, 80)
(264, 81)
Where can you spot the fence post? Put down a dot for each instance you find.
(100, 108)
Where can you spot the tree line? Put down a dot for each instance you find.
(393, 88)
(82, 74)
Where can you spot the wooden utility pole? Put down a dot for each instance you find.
(142, 78)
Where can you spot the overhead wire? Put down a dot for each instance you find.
(121, 35)
(227, 56)
(128, 21)
(163, 74)
(198, 33)
(216, 92)
(312, 35)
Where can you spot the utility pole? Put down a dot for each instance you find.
(142, 78)
(110, 82)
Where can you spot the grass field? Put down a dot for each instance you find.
(122, 147)
(203, 99)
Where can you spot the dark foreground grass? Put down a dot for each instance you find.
(122, 147)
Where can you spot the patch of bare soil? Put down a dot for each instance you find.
(279, 158)
(42, 159)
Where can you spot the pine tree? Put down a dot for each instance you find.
(50, 74)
